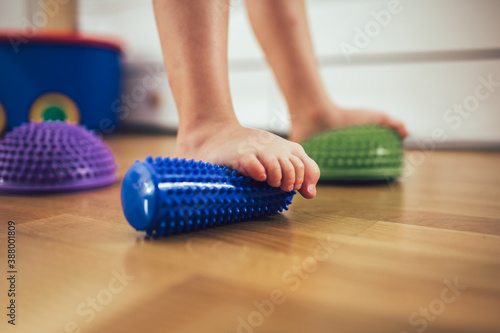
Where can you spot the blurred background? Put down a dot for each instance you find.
(435, 64)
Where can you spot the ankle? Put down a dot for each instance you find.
(311, 112)
(311, 107)
(193, 136)
(203, 117)
(198, 129)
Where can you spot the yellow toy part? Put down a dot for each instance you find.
(54, 106)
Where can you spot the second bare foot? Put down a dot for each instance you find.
(306, 123)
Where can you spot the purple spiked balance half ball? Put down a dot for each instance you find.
(52, 157)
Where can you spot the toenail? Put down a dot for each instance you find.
(289, 188)
(311, 189)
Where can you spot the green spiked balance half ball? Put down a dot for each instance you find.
(358, 153)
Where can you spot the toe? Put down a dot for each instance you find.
(299, 171)
(395, 124)
(398, 126)
(311, 176)
(287, 174)
(401, 128)
(273, 170)
(250, 166)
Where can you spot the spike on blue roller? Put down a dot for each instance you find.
(165, 196)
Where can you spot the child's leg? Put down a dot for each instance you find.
(194, 42)
(282, 30)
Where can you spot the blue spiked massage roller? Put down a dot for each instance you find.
(164, 196)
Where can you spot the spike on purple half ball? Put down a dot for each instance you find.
(51, 157)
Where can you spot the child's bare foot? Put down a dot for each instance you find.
(307, 123)
(257, 154)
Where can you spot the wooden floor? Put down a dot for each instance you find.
(420, 255)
